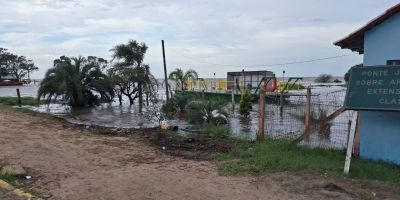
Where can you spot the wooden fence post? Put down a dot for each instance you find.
(307, 118)
(19, 97)
(350, 143)
(233, 100)
(261, 116)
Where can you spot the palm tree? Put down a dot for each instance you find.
(181, 78)
(134, 77)
(78, 80)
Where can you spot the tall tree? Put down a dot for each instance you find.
(129, 74)
(18, 66)
(78, 80)
(181, 77)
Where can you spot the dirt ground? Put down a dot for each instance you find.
(71, 163)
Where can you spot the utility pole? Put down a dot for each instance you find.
(165, 70)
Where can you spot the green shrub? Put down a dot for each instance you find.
(207, 111)
(176, 103)
(245, 104)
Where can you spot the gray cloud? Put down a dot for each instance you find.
(226, 31)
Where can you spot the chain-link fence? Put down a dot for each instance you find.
(286, 119)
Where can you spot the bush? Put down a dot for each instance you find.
(324, 78)
(245, 104)
(176, 103)
(207, 111)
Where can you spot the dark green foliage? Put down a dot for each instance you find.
(170, 107)
(12, 64)
(176, 103)
(283, 155)
(324, 78)
(78, 80)
(207, 111)
(246, 103)
(13, 101)
(130, 76)
(218, 132)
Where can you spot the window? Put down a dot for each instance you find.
(393, 62)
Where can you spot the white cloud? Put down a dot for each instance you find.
(195, 32)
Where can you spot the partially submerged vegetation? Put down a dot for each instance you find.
(283, 155)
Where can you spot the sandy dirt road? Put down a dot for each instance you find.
(72, 163)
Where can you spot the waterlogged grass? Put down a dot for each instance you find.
(218, 132)
(281, 155)
(13, 101)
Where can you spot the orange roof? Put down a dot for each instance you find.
(355, 41)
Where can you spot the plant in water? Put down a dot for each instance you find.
(78, 80)
(176, 103)
(245, 104)
(208, 111)
(129, 75)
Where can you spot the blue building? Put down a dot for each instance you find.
(379, 41)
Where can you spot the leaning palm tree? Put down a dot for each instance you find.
(181, 78)
(134, 76)
(77, 80)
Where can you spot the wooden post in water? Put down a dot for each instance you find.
(165, 70)
(307, 118)
(233, 100)
(19, 97)
(261, 116)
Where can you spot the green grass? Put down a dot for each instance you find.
(283, 155)
(218, 132)
(13, 101)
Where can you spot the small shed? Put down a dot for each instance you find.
(249, 79)
(379, 41)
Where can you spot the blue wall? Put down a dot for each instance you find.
(380, 131)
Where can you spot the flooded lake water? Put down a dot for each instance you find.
(278, 124)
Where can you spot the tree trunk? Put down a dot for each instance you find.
(147, 99)
(120, 99)
(130, 100)
(140, 97)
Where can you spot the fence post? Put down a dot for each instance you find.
(281, 101)
(308, 109)
(261, 116)
(233, 100)
(19, 97)
(350, 143)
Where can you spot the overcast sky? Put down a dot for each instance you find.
(196, 33)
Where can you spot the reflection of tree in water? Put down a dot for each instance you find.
(245, 124)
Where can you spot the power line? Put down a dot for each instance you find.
(275, 64)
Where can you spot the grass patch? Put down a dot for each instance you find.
(13, 101)
(218, 132)
(283, 155)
